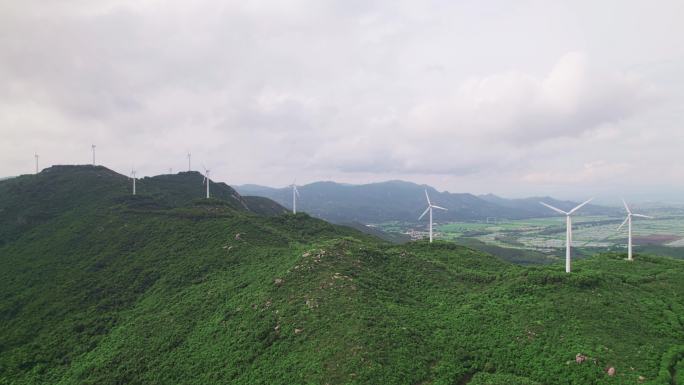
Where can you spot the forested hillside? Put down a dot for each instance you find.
(102, 287)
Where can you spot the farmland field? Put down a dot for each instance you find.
(546, 236)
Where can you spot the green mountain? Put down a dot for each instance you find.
(101, 287)
(405, 201)
(31, 200)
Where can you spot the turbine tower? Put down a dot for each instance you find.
(189, 156)
(133, 172)
(206, 180)
(628, 220)
(36, 156)
(93, 147)
(295, 195)
(429, 209)
(568, 231)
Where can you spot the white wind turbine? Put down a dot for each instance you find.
(429, 209)
(568, 230)
(36, 156)
(133, 172)
(206, 179)
(189, 156)
(93, 147)
(295, 195)
(628, 220)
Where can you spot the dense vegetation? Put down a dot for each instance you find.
(100, 287)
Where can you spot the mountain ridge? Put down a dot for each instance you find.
(397, 200)
(61, 188)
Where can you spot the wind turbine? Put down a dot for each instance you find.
(36, 156)
(93, 147)
(189, 156)
(628, 220)
(295, 195)
(206, 179)
(429, 209)
(568, 230)
(133, 172)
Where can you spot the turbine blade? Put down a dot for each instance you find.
(623, 223)
(438, 207)
(554, 209)
(424, 212)
(626, 207)
(642, 216)
(580, 205)
(428, 197)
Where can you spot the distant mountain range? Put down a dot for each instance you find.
(405, 201)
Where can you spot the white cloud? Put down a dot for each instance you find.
(512, 106)
(469, 96)
(590, 173)
(495, 115)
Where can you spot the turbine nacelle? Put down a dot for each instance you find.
(295, 195)
(630, 214)
(206, 174)
(133, 172)
(429, 210)
(628, 221)
(556, 209)
(206, 179)
(568, 229)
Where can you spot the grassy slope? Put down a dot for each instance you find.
(131, 292)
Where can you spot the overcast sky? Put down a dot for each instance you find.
(569, 98)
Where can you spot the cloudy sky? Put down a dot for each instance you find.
(569, 98)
